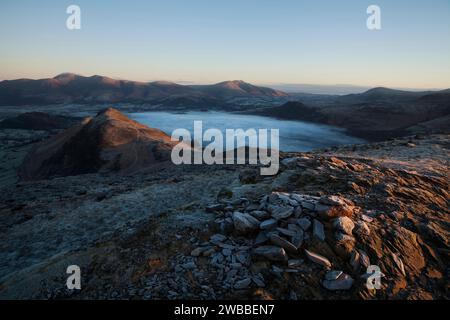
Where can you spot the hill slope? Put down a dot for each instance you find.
(38, 121)
(377, 114)
(171, 233)
(109, 141)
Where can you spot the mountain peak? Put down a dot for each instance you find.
(66, 75)
(110, 112)
(230, 83)
(380, 90)
(164, 83)
(110, 141)
(242, 88)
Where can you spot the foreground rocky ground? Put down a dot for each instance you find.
(204, 232)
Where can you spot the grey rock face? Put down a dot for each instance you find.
(297, 239)
(332, 200)
(308, 205)
(260, 214)
(333, 275)
(268, 224)
(304, 223)
(243, 284)
(318, 230)
(285, 244)
(295, 263)
(286, 232)
(343, 282)
(272, 253)
(217, 238)
(281, 212)
(261, 238)
(244, 223)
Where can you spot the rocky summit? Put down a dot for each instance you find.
(368, 221)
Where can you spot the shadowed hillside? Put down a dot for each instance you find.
(375, 115)
(109, 141)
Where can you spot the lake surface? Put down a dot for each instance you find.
(294, 135)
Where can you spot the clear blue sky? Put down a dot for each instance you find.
(205, 41)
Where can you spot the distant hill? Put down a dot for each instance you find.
(293, 110)
(319, 89)
(38, 121)
(376, 114)
(72, 88)
(237, 88)
(381, 94)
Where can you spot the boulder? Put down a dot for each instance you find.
(260, 214)
(280, 212)
(268, 224)
(283, 243)
(243, 284)
(244, 223)
(344, 224)
(317, 258)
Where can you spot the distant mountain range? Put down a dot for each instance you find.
(228, 95)
(72, 88)
(376, 114)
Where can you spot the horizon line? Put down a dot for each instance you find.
(266, 84)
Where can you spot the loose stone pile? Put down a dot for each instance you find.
(278, 229)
